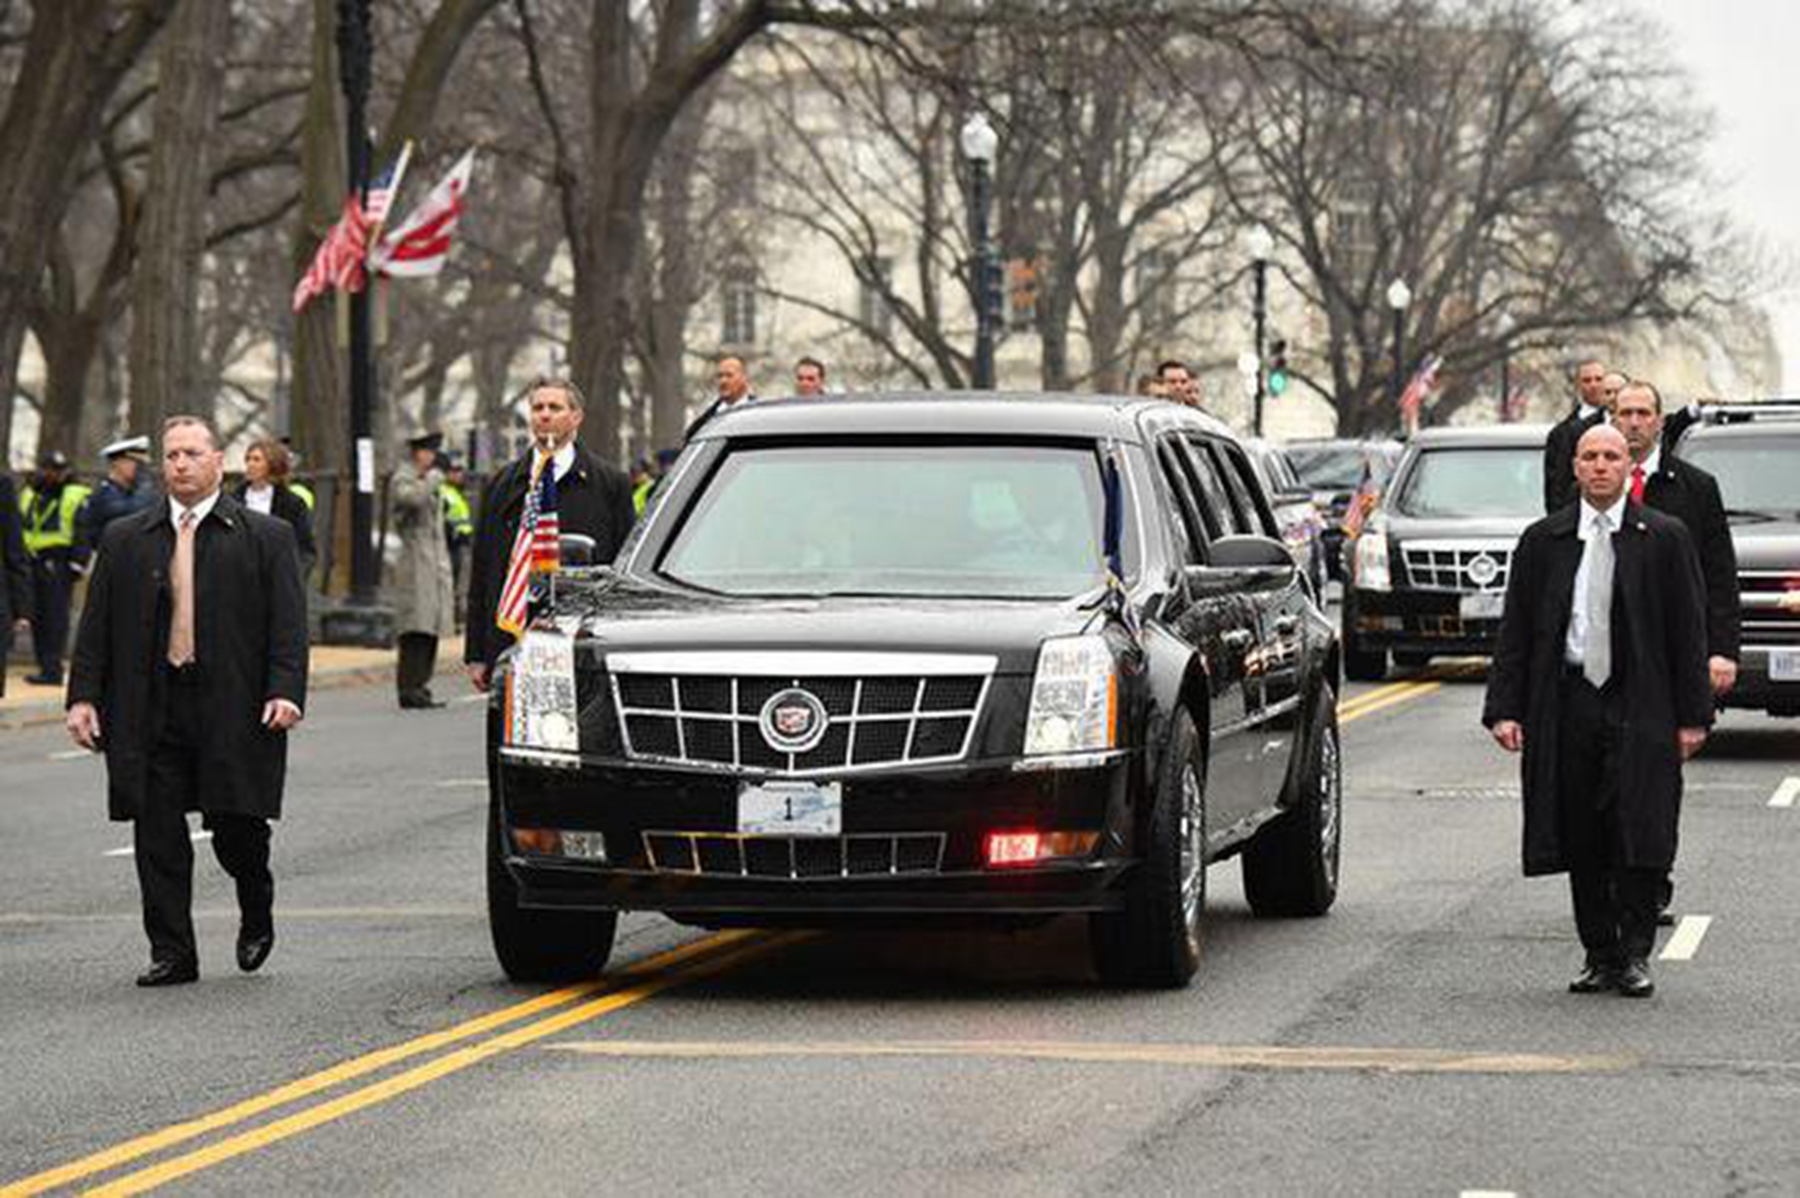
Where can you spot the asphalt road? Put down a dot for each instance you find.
(1418, 1040)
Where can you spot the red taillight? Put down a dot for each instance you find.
(1013, 848)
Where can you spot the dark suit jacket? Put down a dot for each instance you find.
(15, 570)
(249, 645)
(1691, 495)
(593, 499)
(1659, 618)
(1559, 458)
(285, 505)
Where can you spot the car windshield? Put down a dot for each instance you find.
(1496, 481)
(1760, 474)
(992, 521)
(1336, 466)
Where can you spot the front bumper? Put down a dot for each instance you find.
(1756, 690)
(1418, 622)
(672, 841)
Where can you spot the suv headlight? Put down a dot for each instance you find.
(1371, 570)
(1074, 697)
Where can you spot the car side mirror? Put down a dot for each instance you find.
(1243, 562)
(1293, 495)
(575, 549)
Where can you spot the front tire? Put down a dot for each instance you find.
(1360, 664)
(535, 945)
(1291, 866)
(1155, 942)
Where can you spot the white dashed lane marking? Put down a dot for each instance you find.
(128, 851)
(1786, 793)
(1684, 942)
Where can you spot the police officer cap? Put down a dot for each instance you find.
(426, 441)
(137, 447)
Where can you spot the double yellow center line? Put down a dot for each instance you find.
(560, 1010)
(1394, 693)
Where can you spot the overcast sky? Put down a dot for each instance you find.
(1743, 57)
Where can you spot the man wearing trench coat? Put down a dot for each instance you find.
(1601, 771)
(425, 583)
(191, 702)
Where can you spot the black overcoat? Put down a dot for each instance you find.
(15, 570)
(285, 505)
(1691, 495)
(1658, 595)
(249, 644)
(592, 499)
(1559, 456)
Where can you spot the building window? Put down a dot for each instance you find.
(1156, 292)
(873, 289)
(1353, 228)
(737, 296)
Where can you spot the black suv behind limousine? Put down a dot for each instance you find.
(1754, 452)
(916, 657)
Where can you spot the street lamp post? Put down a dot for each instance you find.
(1262, 244)
(979, 142)
(354, 52)
(1506, 328)
(1399, 295)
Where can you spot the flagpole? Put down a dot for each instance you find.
(353, 71)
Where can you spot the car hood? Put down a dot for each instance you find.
(1767, 545)
(1412, 528)
(623, 614)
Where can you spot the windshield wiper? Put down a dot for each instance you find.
(1752, 514)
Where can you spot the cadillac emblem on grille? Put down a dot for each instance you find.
(793, 721)
(1483, 570)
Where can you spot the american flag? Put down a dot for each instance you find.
(536, 550)
(1424, 380)
(418, 245)
(384, 186)
(339, 260)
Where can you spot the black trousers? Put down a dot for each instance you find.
(416, 664)
(52, 583)
(1615, 905)
(164, 852)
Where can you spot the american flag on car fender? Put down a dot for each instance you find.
(536, 550)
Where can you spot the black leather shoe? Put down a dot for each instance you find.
(1665, 919)
(418, 701)
(1634, 980)
(170, 973)
(253, 949)
(1595, 979)
(41, 679)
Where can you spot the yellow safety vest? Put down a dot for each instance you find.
(304, 492)
(40, 533)
(456, 510)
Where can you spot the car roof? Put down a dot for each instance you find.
(980, 413)
(1749, 430)
(1482, 435)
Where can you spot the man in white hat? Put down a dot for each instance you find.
(123, 492)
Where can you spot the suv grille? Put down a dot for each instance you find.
(722, 854)
(1765, 620)
(870, 721)
(1445, 565)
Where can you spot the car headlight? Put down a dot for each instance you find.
(1371, 566)
(1074, 697)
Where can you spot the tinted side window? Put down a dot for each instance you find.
(1246, 491)
(1190, 532)
(1227, 519)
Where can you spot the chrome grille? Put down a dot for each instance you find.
(724, 854)
(1444, 565)
(1769, 602)
(872, 721)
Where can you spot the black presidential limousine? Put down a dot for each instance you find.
(910, 658)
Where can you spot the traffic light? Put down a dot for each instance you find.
(1278, 367)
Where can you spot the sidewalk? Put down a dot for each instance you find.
(25, 706)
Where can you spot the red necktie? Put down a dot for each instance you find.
(1637, 484)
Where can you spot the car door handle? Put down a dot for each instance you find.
(1285, 625)
(1238, 639)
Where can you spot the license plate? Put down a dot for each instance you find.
(1784, 665)
(1483, 605)
(791, 808)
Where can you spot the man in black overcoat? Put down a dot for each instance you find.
(1599, 677)
(189, 670)
(1559, 445)
(593, 499)
(15, 572)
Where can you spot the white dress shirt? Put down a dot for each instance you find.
(562, 461)
(201, 510)
(1575, 643)
(260, 499)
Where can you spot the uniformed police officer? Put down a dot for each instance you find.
(48, 507)
(122, 492)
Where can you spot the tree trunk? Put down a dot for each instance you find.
(76, 51)
(166, 286)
